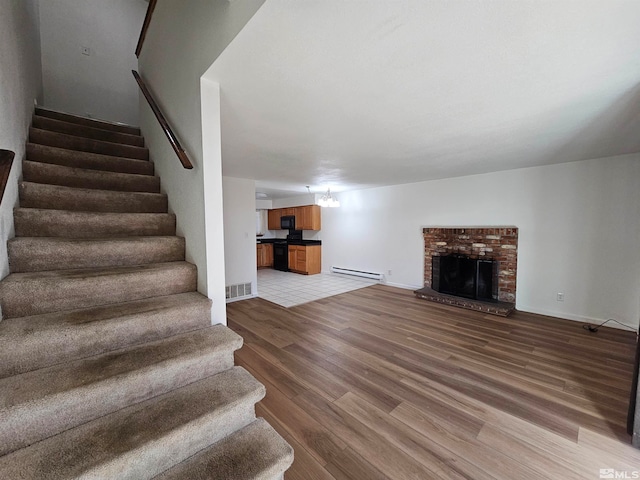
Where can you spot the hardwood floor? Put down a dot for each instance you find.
(376, 384)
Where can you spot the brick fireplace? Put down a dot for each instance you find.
(497, 243)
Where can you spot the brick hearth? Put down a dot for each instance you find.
(497, 243)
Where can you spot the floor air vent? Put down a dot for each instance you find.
(240, 290)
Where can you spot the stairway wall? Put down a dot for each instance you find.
(101, 82)
(20, 84)
(172, 64)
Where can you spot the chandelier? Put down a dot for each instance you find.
(328, 200)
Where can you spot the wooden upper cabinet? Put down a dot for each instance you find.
(308, 217)
(274, 219)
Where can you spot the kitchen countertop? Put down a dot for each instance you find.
(289, 242)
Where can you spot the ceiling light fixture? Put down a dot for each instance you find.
(328, 200)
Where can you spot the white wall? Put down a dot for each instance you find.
(579, 230)
(264, 204)
(99, 85)
(240, 231)
(297, 201)
(181, 44)
(262, 208)
(20, 84)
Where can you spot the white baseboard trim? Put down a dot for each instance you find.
(402, 285)
(575, 318)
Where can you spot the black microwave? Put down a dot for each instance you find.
(288, 222)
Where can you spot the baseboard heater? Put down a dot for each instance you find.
(356, 273)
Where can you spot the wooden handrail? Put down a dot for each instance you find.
(145, 26)
(173, 140)
(6, 160)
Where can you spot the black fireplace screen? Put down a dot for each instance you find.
(464, 276)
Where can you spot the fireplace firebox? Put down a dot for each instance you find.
(464, 276)
(476, 267)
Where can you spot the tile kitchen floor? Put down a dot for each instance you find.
(289, 289)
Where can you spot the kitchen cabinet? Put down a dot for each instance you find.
(273, 220)
(308, 217)
(264, 254)
(305, 259)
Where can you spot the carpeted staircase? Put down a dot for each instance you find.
(109, 367)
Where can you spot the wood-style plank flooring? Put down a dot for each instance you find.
(376, 384)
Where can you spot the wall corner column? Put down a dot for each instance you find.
(213, 203)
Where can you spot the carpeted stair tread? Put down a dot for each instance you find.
(91, 161)
(56, 197)
(90, 122)
(38, 172)
(69, 128)
(62, 140)
(63, 396)
(255, 452)
(33, 293)
(30, 343)
(36, 222)
(33, 254)
(109, 365)
(145, 439)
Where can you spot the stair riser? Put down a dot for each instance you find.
(54, 223)
(270, 455)
(142, 440)
(38, 195)
(80, 290)
(92, 161)
(60, 140)
(65, 117)
(88, 334)
(150, 461)
(57, 413)
(82, 178)
(33, 255)
(68, 128)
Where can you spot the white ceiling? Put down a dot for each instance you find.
(354, 94)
